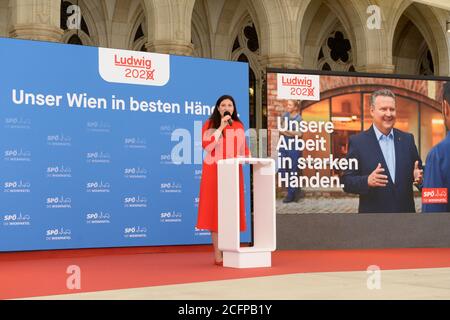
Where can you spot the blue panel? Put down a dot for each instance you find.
(97, 177)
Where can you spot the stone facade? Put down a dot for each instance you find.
(410, 37)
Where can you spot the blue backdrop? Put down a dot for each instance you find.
(84, 177)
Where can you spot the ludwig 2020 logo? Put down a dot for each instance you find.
(123, 66)
(298, 86)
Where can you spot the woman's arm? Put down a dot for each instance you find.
(211, 136)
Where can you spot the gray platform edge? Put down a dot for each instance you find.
(362, 231)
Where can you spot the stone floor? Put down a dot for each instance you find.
(393, 284)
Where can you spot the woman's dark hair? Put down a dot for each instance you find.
(216, 118)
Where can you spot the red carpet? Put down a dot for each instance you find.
(33, 274)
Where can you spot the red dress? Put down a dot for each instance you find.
(216, 150)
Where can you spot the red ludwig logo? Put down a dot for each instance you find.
(298, 87)
(134, 67)
(434, 195)
(122, 66)
(296, 81)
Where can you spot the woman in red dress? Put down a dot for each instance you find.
(222, 137)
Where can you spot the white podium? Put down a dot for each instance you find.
(260, 255)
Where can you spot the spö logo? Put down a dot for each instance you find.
(171, 216)
(98, 187)
(135, 202)
(20, 186)
(98, 157)
(198, 174)
(135, 173)
(59, 140)
(166, 130)
(196, 201)
(166, 159)
(95, 217)
(17, 123)
(135, 232)
(56, 234)
(434, 195)
(98, 126)
(201, 232)
(171, 187)
(60, 202)
(17, 155)
(16, 219)
(59, 171)
(135, 143)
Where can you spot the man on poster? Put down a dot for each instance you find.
(388, 161)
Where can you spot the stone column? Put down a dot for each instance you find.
(4, 18)
(279, 32)
(374, 38)
(169, 26)
(36, 20)
(176, 47)
(282, 61)
(376, 68)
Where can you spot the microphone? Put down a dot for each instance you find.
(227, 113)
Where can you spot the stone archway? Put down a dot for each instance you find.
(137, 29)
(97, 26)
(324, 20)
(224, 18)
(420, 28)
(201, 34)
(409, 45)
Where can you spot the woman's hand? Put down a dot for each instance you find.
(224, 122)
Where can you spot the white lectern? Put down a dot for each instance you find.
(264, 213)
